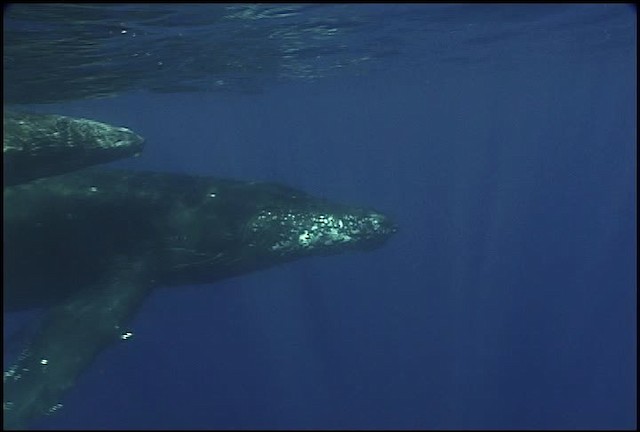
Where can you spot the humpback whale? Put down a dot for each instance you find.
(41, 145)
(91, 245)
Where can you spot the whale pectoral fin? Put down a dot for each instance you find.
(68, 338)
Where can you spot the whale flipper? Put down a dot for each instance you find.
(70, 336)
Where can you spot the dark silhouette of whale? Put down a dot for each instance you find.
(91, 245)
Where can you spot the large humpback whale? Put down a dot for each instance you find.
(91, 245)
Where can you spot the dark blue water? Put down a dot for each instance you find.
(506, 300)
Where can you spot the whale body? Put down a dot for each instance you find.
(91, 245)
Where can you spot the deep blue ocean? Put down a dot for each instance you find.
(502, 140)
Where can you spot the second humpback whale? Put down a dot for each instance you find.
(91, 245)
(42, 145)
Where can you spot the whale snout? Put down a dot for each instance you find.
(374, 230)
(382, 223)
(318, 231)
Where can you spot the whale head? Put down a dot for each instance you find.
(249, 226)
(292, 232)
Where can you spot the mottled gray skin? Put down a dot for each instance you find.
(92, 245)
(42, 145)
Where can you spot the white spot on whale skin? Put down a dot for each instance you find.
(305, 238)
(54, 408)
(11, 373)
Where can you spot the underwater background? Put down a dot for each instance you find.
(500, 138)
